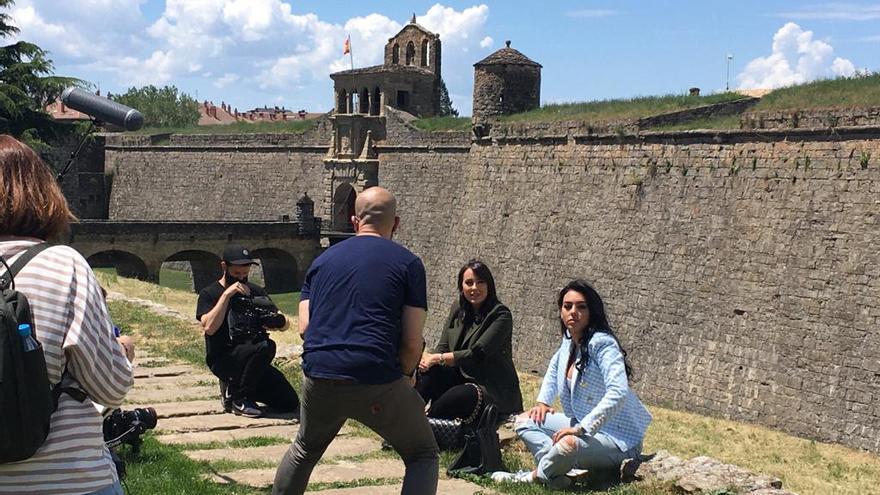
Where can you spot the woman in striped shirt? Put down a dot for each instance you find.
(72, 324)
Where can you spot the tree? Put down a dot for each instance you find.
(446, 109)
(26, 87)
(162, 107)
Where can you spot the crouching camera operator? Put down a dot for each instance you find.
(235, 315)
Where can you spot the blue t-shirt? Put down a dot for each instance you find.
(356, 291)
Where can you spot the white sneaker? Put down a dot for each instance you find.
(507, 477)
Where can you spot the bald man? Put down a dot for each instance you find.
(361, 313)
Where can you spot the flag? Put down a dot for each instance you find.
(346, 47)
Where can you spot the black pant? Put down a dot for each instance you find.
(451, 395)
(248, 372)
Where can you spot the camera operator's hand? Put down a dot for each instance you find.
(237, 288)
(127, 346)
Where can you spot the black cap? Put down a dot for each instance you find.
(237, 255)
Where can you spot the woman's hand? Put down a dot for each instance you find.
(539, 412)
(564, 432)
(428, 360)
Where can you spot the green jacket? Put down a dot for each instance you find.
(485, 355)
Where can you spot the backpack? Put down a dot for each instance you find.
(27, 399)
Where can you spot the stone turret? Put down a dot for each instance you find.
(506, 82)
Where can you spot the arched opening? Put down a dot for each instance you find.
(343, 207)
(278, 269)
(395, 54)
(341, 102)
(190, 270)
(376, 102)
(126, 264)
(410, 53)
(355, 102)
(365, 101)
(425, 53)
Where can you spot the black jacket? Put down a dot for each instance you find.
(485, 355)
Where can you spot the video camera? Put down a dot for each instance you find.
(126, 427)
(249, 316)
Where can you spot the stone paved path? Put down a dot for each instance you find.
(186, 400)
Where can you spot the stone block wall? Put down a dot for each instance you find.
(743, 278)
(820, 118)
(190, 183)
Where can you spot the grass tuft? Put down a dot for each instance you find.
(443, 124)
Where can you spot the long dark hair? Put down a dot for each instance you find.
(598, 322)
(466, 313)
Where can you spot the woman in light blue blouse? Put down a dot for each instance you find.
(602, 421)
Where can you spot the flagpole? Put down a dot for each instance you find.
(350, 54)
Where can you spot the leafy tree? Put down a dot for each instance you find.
(162, 107)
(26, 87)
(446, 109)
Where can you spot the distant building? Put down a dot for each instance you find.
(409, 80)
(60, 112)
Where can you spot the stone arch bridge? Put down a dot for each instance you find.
(138, 249)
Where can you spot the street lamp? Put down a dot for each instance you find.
(727, 78)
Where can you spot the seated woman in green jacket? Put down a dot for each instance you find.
(472, 364)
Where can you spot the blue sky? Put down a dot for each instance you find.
(251, 53)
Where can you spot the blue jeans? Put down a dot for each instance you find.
(596, 453)
(114, 489)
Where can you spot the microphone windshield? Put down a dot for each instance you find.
(102, 109)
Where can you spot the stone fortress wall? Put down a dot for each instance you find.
(740, 268)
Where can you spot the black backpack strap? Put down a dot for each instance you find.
(77, 394)
(7, 280)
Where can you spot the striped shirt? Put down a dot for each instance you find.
(72, 324)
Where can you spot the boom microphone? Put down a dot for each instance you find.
(103, 109)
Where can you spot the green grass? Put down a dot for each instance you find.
(238, 443)
(619, 109)
(858, 91)
(175, 279)
(443, 123)
(160, 468)
(285, 127)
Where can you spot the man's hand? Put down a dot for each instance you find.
(539, 413)
(237, 288)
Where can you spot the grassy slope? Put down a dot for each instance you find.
(842, 92)
(619, 109)
(806, 467)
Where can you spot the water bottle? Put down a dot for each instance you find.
(28, 343)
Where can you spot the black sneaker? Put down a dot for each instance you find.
(225, 398)
(246, 408)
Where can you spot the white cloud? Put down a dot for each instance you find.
(226, 80)
(591, 13)
(456, 29)
(835, 12)
(795, 58)
(259, 47)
